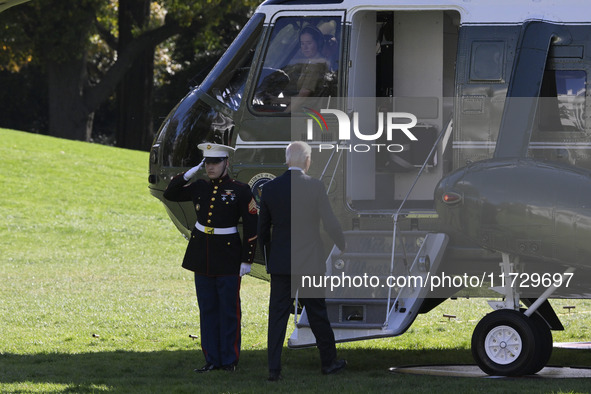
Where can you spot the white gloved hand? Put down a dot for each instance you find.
(244, 269)
(191, 173)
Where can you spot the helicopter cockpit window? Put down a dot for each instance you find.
(228, 87)
(562, 101)
(196, 120)
(191, 123)
(302, 60)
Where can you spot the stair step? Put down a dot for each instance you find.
(349, 325)
(368, 301)
(383, 233)
(357, 312)
(362, 255)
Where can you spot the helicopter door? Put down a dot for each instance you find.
(401, 62)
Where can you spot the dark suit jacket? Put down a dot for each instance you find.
(291, 208)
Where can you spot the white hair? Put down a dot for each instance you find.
(297, 153)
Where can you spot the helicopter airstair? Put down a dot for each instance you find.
(382, 281)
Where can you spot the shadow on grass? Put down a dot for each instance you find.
(145, 371)
(172, 371)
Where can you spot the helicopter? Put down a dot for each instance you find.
(6, 4)
(454, 141)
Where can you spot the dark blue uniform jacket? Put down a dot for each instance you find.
(219, 203)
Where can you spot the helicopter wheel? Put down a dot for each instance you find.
(504, 344)
(544, 343)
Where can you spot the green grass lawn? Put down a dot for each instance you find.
(93, 298)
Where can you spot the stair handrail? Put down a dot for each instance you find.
(396, 216)
(335, 167)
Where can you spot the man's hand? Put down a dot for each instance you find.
(244, 269)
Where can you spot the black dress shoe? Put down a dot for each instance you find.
(335, 367)
(206, 368)
(229, 367)
(274, 376)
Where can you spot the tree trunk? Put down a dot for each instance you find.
(68, 116)
(135, 91)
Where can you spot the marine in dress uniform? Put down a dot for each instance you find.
(216, 252)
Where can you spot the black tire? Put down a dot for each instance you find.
(544, 343)
(504, 343)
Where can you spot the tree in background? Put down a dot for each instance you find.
(87, 48)
(135, 90)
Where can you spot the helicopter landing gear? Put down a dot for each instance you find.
(512, 341)
(508, 343)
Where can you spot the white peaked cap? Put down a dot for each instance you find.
(215, 150)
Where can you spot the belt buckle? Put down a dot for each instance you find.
(208, 230)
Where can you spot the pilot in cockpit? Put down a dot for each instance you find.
(310, 67)
(311, 72)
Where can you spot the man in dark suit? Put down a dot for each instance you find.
(291, 208)
(216, 253)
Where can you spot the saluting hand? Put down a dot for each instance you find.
(191, 173)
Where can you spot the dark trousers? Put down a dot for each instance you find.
(280, 304)
(219, 310)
